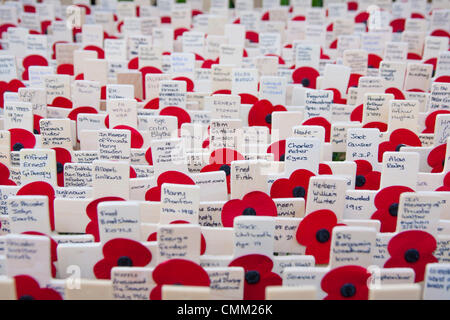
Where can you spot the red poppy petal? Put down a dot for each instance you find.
(320, 121)
(281, 188)
(405, 136)
(372, 181)
(137, 141)
(180, 271)
(28, 286)
(181, 114)
(320, 251)
(378, 125)
(389, 195)
(278, 149)
(148, 156)
(384, 147)
(258, 112)
(91, 212)
(75, 112)
(22, 136)
(225, 156)
(357, 113)
(436, 157)
(430, 121)
(230, 210)
(102, 269)
(324, 169)
(354, 80)
(247, 98)
(153, 194)
(398, 94)
(398, 25)
(251, 262)
(152, 104)
(175, 177)
(258, 291)
(420, 240)
(14, 85)
(374, 61)
(363, 167)
(189, 83)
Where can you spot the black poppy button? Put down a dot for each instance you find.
(269, 118)
(226, 168)
(305, 82)
(348, 290)
(249, 212)
(18, 146)
(26, 297)
(124, 261)
(299, 192)
(252, 277)
(360, 181)
(322, 235)
(412, 255)
(35, 131)
(282, 157)
(59, 167)
(393, 209)
(397, 148)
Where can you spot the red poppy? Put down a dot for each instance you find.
(61, 102)
(357, 113)
(53, 248)
(430, 121)
(398, 94)
(63, 156)
(377, 125)
(100, 51)
(121, 252)
(307, 76)
(366, 178)
(91, 212)
(346, 283)
(436, 158)
(175, 177)
(398, 138)
(178, 32)
(386, 201)
(136, 138)
(320, 121)
(433, 62)
(32, 60)
(258, 275)
(222, 91)
(445, 79)
(398, 25)
(314, 232)
(296, 186)
(255, 203)
(412, 249)
(221, 160)
(413, 56)
(337, 96)
(352, 5)
(181, 114)
(362, 17)
(154, 235)
(178, 272)
(374, 61)
(252, 36)
(445, 184)
(27, 288)
(278, 149)
(440, 33)
(4, 176)
(280, 59)
(261, 113)
(133, 64)
(41, 188)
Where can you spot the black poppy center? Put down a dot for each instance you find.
(412, 255)
(252, 277)
(443, 162)
(26, 297)
(393, 209)
(299, 192)
(35, 131)
(268, 118)
(282, 157)
(59, 167)
(360, 180)
(249, 212)
(124, 261)
(226, 168)
(348, 290)
(18, 146)
(305, 82)
(323, 235)
(371, 67)
(397, 148)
